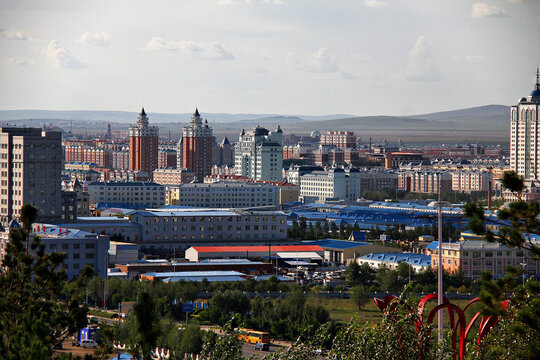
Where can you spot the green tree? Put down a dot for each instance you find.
(35, 315)
(359, 296)
(521, 216)
(192, 339)
(144, 339)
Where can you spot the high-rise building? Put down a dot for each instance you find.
(524, 139)
(259, 154)
(194, 151)
(143, 145)
(30, 172)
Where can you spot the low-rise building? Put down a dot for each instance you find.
(391, 260)
(148, 194)
(81, 248)
(259, 252)
(188, 226)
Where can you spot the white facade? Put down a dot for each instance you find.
(127, 193)
(224, 195)
(259, 154)
(524, 139)
(332, 184)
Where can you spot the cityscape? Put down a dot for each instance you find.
(134, 225)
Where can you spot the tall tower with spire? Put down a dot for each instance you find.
(524, 134)
(143, 145)
(195, 147)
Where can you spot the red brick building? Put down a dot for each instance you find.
(194, 150)
(143, 145)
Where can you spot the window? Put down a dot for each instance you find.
(76, 256)
(89, 245)
(89, 255)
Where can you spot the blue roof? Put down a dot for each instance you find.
(411, 258)
(434, 245)
(335, 244)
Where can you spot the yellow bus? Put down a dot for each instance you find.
(253, 336)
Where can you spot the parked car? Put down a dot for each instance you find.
(261, 346)
(89, 344)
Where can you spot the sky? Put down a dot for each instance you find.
(310, 57)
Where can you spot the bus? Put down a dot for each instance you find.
(253, 336)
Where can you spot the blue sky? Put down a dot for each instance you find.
(312, 57)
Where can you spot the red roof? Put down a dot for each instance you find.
(257, 248)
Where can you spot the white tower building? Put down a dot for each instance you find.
(524, 139)
(259, 154)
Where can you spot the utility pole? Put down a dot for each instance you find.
(440, 268)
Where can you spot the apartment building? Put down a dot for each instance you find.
(333, 184)
(30, 172)
(224, 195)
(147, 194)
(475, 256)
(470, 181)
(340, 139)
(259, 154)
(173, 176)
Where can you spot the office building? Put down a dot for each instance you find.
(143, 145)
(194, 151)
(30, 172)
(259, 154)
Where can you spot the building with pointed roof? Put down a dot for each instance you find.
(194, 150)
(143, 145)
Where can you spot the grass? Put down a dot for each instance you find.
(343, 310)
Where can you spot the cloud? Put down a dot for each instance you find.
(15, 35)
(277, 2)
(421, 65)
(482, 10)
(470, 59)
(95, 39)
(319, 62)
(230, 2)
(209, 51)
(324, 61)
(61, 57)
(374, 3)
(20, 61)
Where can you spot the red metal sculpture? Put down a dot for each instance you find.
(390, 303)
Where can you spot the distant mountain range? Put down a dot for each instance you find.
(130, 117)
(488, 123)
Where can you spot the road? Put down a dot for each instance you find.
(248, 350)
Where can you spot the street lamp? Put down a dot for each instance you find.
(440, 204)
(524, 266)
